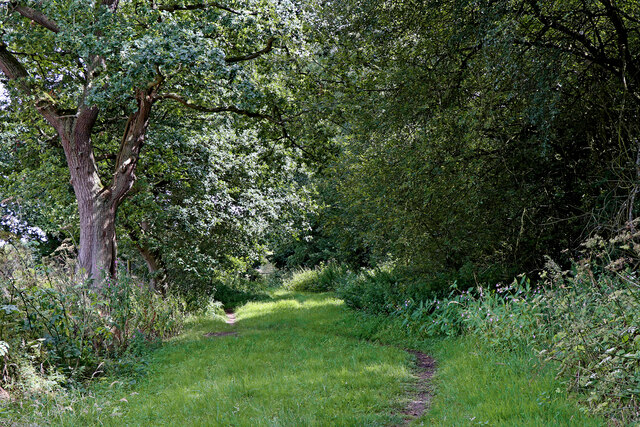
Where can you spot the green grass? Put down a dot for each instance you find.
(307, 360)
(477, 386)
(286, 366)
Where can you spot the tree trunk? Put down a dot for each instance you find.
(156, 270)
(97, 245)
(97, 204)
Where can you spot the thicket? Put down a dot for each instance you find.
(499, 133)
(55, 332)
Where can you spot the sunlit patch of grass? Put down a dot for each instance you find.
(283, 368)
(304, 359)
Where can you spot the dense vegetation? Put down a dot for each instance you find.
(464, 169)
(478, 136)
(319, 364)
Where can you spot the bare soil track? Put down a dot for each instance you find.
(425, 368)
(231, 317)
(231, 320)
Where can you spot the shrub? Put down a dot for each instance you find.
(54, 327)
(595, 310)
(384, 290)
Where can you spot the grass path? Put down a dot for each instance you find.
(306, 360)
(288, 365)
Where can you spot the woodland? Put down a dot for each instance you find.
(451, 179)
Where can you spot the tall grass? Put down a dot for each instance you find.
(55, 332)
(585, 321)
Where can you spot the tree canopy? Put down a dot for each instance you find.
(92, 82)
(470, 137)
(476, 136)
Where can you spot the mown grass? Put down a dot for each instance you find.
(286, 366)
(307, 360)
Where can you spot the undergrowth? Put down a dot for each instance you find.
(323, 278)
(57, 332)
(584, 320)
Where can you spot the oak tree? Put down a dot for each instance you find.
(102, 73)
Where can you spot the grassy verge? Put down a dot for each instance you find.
(286, 366)
(307, 360)
(477, 385)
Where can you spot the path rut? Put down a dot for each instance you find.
(419, 404)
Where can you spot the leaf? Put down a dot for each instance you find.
(8, 309)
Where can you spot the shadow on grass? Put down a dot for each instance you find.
(289, 364)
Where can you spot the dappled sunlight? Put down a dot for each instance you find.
(281, 369)
(285, 303)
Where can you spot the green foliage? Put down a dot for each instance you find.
(211, 211)
(53, 330)
(584, 320)
(381, 290)
(236, 290)
(464, 136)
(390, 289)
(595, 309)
(322, 278)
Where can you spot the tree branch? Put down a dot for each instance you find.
(10, 66)
(285, 134)
(275, 119)
(253, 55)
(36, 16)
(222, 109)
(14, 70)
(623, 38)
(575, 52)
(598, 55)
(129, 152)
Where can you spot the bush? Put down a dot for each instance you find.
(54, 327)
(385, 290)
